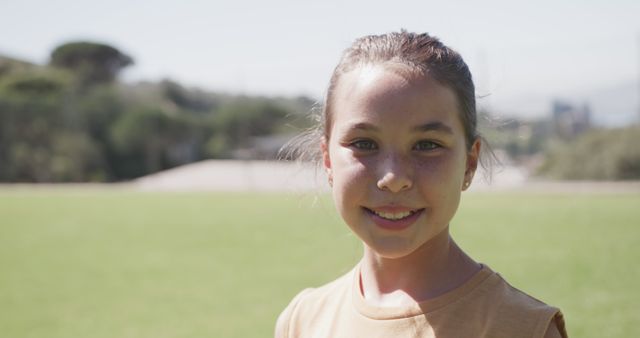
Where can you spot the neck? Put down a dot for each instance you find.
(435, 268)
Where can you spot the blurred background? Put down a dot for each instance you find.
(125, 97)
(107, 92)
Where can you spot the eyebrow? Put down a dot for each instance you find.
(427, 127)
(434, 126)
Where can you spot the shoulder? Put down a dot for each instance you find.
(282, 323)
(499, 310)
(519, 311)
(312, 303)
(556, 328)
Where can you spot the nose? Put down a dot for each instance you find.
(395, 175)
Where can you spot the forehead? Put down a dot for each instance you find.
(383, 95)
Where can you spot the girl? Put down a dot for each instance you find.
(398, 141)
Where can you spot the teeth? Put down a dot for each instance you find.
(393, 216)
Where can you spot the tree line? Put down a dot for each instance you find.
(593, 154)
(71, 120)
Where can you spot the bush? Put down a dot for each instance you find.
(610, 154)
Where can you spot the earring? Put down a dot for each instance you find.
(331, 181)
(466, 184)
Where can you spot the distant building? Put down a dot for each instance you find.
(570, 120)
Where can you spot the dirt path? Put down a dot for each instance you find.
(264, 176)
(282, 176)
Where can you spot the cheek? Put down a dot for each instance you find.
(447, 164)
(350, 176)
(443, 174)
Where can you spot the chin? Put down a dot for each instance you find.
(393, 247)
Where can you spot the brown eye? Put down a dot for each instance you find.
(365, 145)
(426, 145)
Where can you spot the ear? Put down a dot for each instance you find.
(473, 155)
(326, 160)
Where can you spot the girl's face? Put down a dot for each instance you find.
(397, 158)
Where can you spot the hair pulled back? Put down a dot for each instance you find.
(421, 54)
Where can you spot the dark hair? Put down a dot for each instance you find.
(421, 54)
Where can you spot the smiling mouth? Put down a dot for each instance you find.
(393, 216)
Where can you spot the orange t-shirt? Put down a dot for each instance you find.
(485, 306)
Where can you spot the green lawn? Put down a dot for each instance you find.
(110, 263)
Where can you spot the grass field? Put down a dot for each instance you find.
(111, 263)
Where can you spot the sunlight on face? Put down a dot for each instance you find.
(397, 157)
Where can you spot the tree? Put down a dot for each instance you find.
(149, 139)
(93, 63)
(38, 138)
(609, 154)
(185, 99)
(246, 118)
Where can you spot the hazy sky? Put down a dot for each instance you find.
(522, 53)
